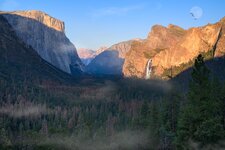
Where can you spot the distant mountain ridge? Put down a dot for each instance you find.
(46, 35)
(111, 60)
(87, 55)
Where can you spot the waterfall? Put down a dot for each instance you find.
(148, 69)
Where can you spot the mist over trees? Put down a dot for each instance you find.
(114, 114)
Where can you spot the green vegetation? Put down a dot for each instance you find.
(174, 71)
(202, 118)
(112, 114)
(208, 55)
(43, 108)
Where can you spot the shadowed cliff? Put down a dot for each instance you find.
(107, 63)
(20, 62)
(46, 36)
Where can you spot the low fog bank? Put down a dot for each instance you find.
(131, 140)
(26, 110)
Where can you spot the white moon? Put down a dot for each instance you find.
(196, 12)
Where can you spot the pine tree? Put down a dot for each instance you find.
(4, 139)
(144, 118)
(169, 117)
(201, 120)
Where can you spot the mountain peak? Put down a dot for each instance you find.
(157, 27)
(41, 17)
(85, 53)
(172, 26)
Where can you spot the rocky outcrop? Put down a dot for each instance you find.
(159, 39)
(111, 60)
(173, 49)
(196, 41)
(47, 36)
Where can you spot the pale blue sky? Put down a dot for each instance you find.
(95, 23)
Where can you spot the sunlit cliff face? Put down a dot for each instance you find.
(172, 47)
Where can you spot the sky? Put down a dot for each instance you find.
(95, 23)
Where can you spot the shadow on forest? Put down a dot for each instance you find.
(215, 65)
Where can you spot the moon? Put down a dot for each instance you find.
(196, 12)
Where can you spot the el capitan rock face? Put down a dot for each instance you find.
(19, 62)
(46, 35)
(174, 47)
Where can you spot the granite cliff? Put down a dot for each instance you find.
(21, 64)
(173, 49)
(46, 35)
